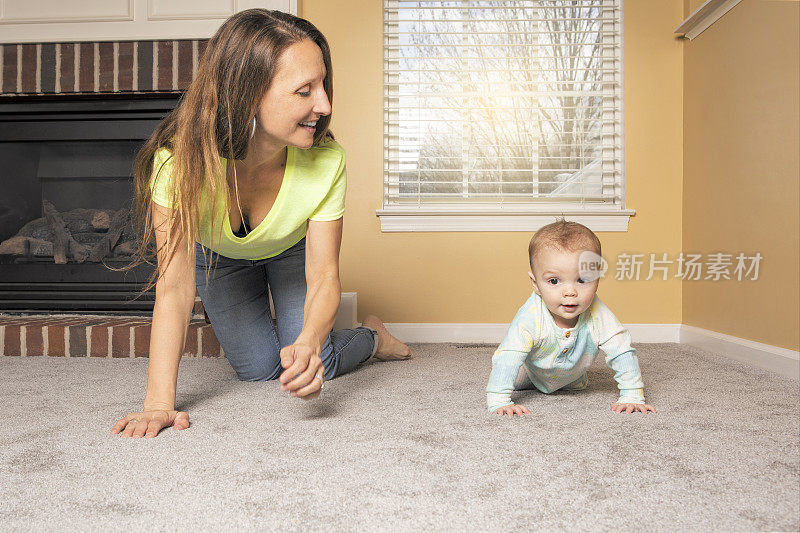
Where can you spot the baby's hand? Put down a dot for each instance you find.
(632, 407)
(512, 410)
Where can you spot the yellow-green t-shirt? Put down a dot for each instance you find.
(313, 188)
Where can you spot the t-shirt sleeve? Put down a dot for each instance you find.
(161, 181)
(332, 206)
(523, 334)
(615, 340)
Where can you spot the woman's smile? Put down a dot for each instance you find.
(310, 127)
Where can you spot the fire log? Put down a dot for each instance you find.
(26, 246)
(63, 242)
(103, 247)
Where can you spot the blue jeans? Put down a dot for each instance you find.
(235, 299)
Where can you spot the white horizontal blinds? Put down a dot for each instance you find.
(501, 101)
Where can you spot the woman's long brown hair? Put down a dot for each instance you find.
(214, 119)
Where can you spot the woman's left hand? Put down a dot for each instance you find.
(302, 364)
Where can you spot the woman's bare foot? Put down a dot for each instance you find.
(389, 348)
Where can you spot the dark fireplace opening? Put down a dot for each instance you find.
(66, 200)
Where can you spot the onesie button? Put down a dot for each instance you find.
(565, 350)
(566, 334)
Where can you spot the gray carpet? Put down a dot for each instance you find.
(401, 446)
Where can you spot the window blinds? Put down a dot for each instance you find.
(499, 102)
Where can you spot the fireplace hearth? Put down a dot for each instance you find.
(66, 193)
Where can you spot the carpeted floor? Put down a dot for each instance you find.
(401, 446)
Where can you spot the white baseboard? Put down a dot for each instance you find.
(780, 360)
(647, 333)
(494, 333)
(347, 315)
(428, 332)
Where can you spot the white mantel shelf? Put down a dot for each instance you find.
(704, 17)
(53, 21)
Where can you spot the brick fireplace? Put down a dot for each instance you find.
(52, 84)
(94, 336)
(95, 67)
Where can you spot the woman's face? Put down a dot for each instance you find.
(290, 108)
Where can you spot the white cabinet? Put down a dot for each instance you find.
(41, 21)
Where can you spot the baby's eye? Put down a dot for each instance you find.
(553, 281)
(580, 280)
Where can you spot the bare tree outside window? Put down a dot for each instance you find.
(493, 102)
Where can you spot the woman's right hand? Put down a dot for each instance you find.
(172, 311)
(148, 423)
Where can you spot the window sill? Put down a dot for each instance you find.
(420, 219)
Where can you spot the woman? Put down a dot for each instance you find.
(246, 167)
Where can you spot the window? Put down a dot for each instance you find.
(502, 114)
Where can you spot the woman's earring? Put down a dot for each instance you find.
(253, 131)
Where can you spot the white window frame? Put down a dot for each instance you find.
(509, 217)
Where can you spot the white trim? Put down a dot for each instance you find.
(347, 314)
(652, 333)
(429, 332)
(129, 24)
(621, 108)
(704, 17)
(157, 10)
(780, 360)
(19, 12)
(397, 216)
(494, 333)
(404, 219)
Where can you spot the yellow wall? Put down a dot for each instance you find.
(741, 173)
(482, 277)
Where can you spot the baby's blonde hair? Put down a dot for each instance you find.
(569, 236)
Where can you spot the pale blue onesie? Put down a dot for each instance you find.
(555, 358)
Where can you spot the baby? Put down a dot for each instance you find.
(556, 334)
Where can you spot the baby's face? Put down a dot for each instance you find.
(556, 279)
